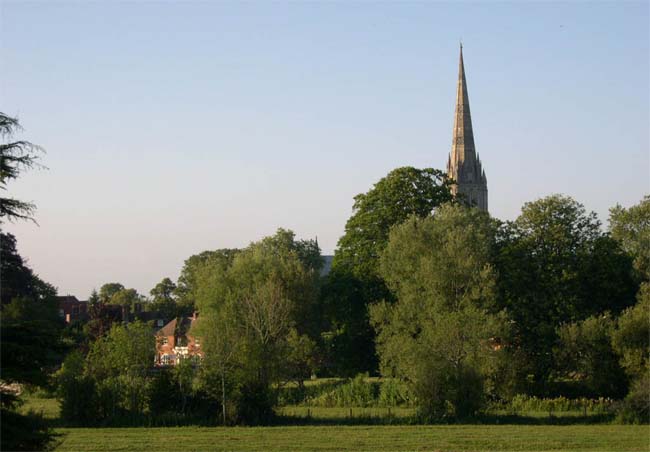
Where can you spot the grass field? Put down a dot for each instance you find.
(599, 437)
(605, 438)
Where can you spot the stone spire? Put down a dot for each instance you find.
(464, 165)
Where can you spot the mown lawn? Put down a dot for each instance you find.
(605, 438)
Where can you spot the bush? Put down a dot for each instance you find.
(298, 395)
(522, 403)
(449, 393)
(76, 391)
(635, 408)
(394, 392)
(254, 404)
(356, 392)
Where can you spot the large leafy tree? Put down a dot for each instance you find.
(401, 193)
(186, 286)
(163, 299)
(248, 307)
(355, 282)
(108, 290)
(439, 335)
(555, 265)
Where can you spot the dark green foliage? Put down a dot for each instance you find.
(635, 408)
(168, 394)
(31, 346)
(18, 280)
(25, 432)
(254, 403)
(403, 192)
(349, 340)
(449, 392)
(555, 266)
(355, 282)
(163, 299)
(76, 391)
(30, 340)
(584, 354)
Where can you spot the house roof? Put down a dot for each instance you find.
(64, 299)
(179, 326)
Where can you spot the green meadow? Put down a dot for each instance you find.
(314, 437)
(605, 438)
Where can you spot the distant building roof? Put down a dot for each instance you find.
(68, 299)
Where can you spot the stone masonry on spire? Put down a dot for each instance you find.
(464, 165)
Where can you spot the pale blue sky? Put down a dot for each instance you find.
(176, 127)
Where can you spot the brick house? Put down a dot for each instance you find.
(71, 309)
(173, 342)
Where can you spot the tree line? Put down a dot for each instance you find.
(460, 307)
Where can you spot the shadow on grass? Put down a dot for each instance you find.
(414, 420)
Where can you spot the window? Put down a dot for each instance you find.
(197, 341)
(160, 322)
(164, 341)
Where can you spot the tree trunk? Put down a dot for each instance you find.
(223, 395)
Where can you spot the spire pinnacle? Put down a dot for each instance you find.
(464, 165)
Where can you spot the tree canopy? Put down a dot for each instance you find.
(438, 335)
(555, 265)
(354, 282)
(401, 193)
(250, 306)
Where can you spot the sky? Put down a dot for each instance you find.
(176, 127)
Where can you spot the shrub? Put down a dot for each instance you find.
(522, 403)
(356, 392)
(635, 408)
(394, 392)
(449, 393)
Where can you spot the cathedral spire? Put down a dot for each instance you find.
(464, 166)
(463, 139)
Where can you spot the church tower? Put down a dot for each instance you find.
(464, 165)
